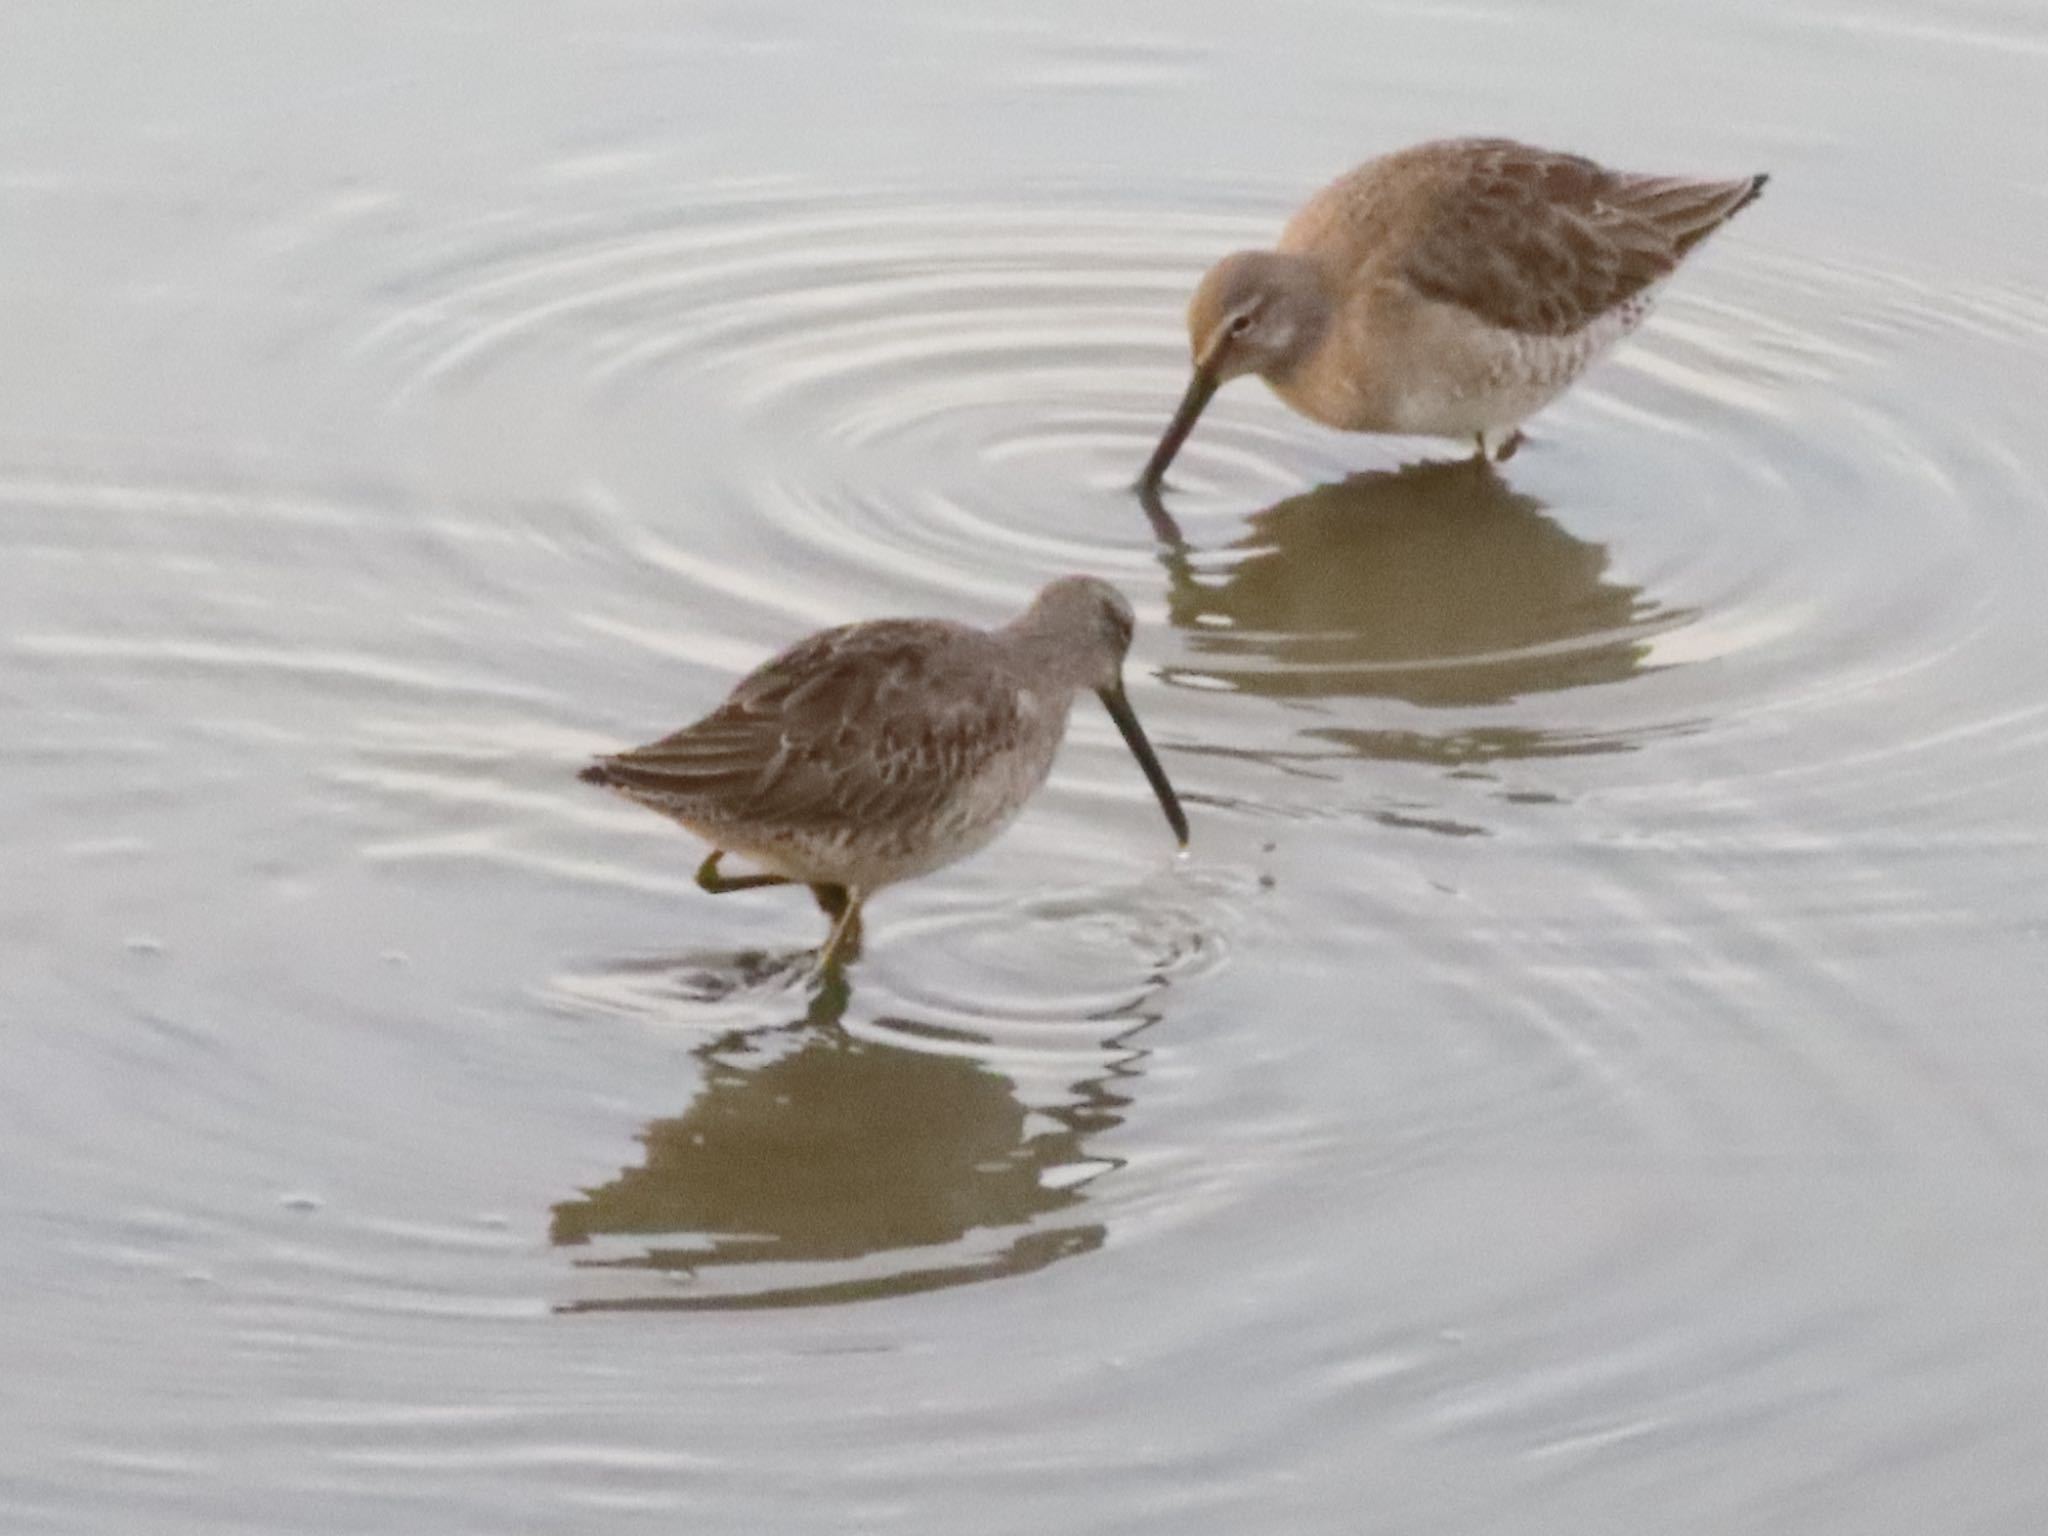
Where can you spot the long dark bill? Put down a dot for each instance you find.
(1200, 388)
(1119, 709)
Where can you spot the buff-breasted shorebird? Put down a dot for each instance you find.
(875, 752)
(1448, 290)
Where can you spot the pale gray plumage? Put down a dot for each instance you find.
(879, 751)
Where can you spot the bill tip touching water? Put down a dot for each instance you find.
(1452, 289)
(875, 752)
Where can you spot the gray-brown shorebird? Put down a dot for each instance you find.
(878, 751)
(1452, 289)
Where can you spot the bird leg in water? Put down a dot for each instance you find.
(844, 943)
(709, 879)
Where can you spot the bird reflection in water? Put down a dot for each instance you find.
(1436, 585)
(819, 1166)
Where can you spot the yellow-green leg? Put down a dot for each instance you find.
(709, 879)
(1490, 455)
(844, 942)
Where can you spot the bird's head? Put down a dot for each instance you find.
(1253, 312)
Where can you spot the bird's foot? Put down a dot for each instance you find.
(709, 879)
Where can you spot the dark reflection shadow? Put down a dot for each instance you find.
(1436, 584)
(866, 1161)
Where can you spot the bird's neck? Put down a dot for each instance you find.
(1049, 656)
(1310, 313)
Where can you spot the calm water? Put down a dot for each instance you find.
(1588, 1076)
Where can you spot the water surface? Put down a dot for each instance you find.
(1587, 1075)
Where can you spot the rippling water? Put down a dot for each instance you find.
(1587, 1075)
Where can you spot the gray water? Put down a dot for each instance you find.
(1586, 1077)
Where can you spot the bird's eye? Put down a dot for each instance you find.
(1241, 324)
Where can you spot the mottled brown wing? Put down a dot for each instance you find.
(864, 724)
(1545, 243)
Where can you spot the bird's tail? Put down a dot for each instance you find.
(1686, 210)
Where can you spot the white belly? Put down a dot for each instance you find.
(1480, 380)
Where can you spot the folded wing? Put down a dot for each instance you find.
(865, 724)
(1546, 243)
